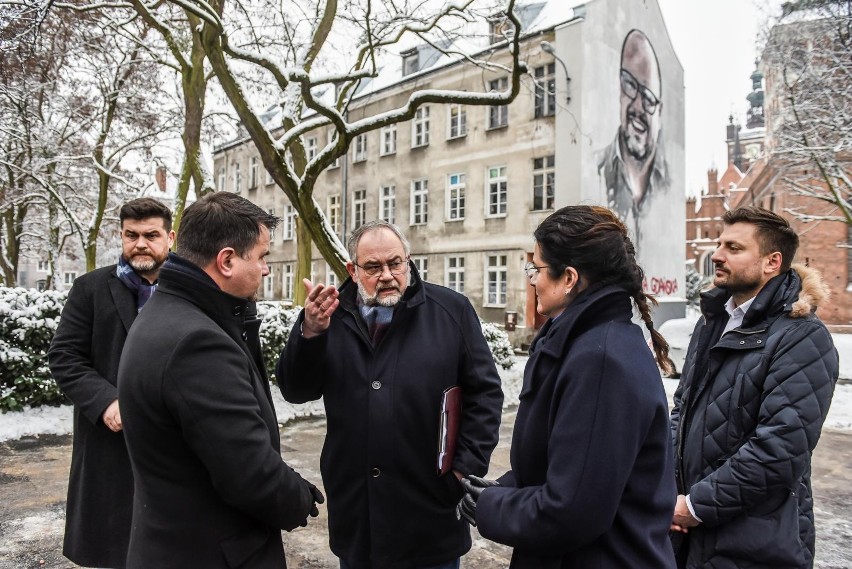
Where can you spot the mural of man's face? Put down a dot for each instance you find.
(640, 97)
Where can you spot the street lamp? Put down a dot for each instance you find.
(547, 47)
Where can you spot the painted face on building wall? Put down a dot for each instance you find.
(641, 106)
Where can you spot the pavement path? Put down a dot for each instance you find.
(33, 484)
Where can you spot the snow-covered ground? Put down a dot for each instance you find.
(58, 420)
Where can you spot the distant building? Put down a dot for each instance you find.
(468, 185)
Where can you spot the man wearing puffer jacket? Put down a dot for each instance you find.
(756, 386)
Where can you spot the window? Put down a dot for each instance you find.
(455, 274)
(330, 276)
(268, 284)
(388, 137)
(410, 62)
(238, 178)
(287, 281)
(332, 139)
(43, 266)
(419, 201)
(708, 267)
(271, 231)
(70, 277)
(497, 190)
(387, 204)
(360, 151)
(545, 90)
(253, 174)
(457, 117)
(288, 228)
(422, 264)
(420, 127)
(455, 197)
(501, 29)
(498, 115)
(333, 212)
(359, 209)
(221, 185)
(543, 182)
(269, 179)
(495, 281)
(41, 285)
(311, 148)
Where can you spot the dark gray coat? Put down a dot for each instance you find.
(83, 357)
(387, 507)
(211, 488)
(747, 415)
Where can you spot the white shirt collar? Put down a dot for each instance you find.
(736, 313)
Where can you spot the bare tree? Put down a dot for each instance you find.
(314, 56)
(808, 61)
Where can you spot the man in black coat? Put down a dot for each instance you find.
(84, 359)
(211, 488)
(381, 351)
(756, 386)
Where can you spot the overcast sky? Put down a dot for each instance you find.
(716, 43)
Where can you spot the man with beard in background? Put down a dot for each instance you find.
(633, 167)
(381, 351)
(83, 359)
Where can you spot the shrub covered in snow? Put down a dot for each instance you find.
(28, 320)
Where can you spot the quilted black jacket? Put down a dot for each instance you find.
(745, 421)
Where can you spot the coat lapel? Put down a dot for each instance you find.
(124, 300)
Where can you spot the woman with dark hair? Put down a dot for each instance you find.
(592, 481)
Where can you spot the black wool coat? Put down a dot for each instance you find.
(387, 506)
(83, 359)
(592, 480)
(211, 488)
(747, 415)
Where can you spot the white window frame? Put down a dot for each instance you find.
(544, 98)
(359, 148)
(455, 197)
(496, 191)
(333, 212)
(288, 281)
(269, 180)
(272, 231)
(498, 115)
(388, 140)
(43, 266)
(419, 202)
(359, 208)
(456, 121)
(330, 276)
(288, 228)
(544, 181)
(387, 203)
(454, 273)
(410, 62)
(223, 180)
(311, 148)
(420, 128)
(69, 277)
(421, 262)
(269, 284)
(496, 271)
(253, 173)
(238, 178)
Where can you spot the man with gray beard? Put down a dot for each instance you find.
(380, 351)
(83, 359)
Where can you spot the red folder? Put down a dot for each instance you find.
(450, 419)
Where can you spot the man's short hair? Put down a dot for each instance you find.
(143, 208)
(219, 220)
(355, 237)
(773, 231)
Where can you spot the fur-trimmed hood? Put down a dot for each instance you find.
(814, 291)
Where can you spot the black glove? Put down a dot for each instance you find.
(318, 499)
(473, 487)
